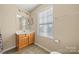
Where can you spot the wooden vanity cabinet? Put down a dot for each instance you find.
(23, 40)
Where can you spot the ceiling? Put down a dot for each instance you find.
(28, 7)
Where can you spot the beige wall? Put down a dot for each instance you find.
(66, 18)
(66, 26)
(9, 25)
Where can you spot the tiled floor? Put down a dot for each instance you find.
(32, 49)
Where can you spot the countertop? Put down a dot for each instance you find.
(24, 32)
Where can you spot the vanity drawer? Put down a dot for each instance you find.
(21, 36)
(23, 40)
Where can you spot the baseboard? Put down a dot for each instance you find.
(43, 47)
(35, 44)
(8, 49)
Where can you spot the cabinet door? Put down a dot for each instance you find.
(27, 40)
(21, 35)
(23, 42)
(31, 38)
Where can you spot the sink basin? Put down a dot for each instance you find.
(23, 32)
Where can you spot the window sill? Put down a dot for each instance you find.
(49, 37)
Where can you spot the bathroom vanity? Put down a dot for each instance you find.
(24, 39)
(25, 36)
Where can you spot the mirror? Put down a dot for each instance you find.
(24, 23)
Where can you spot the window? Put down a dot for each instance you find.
(46, 23)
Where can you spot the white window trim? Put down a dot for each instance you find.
(38, 25)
